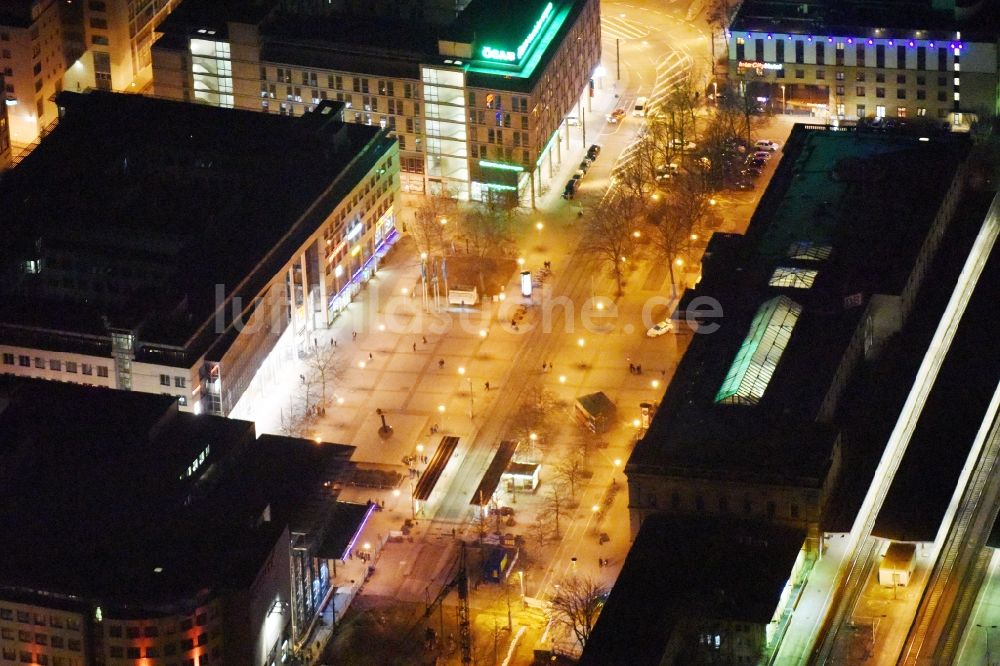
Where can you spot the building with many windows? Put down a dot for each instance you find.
(186, 259)
(854, 59)
(790, 314)
(32, 64)
(137, 534)
(479, 103)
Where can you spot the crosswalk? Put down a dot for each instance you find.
(616, 27)
(671, 69)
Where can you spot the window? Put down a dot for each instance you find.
(39, 362)
(133, 653)
(57, 642)
(116, 651)
(151, 632)
(820, 53)
(8, 359)
(860, 77)
(98, 23)
(800, 73)
(880, 56)
(900, 57)
(880, 92)
(779, 50)
(900, 93)
(24, 361)
(99, 40)
(741, 49)
(132, 632)
(820, 73)
(859, 55)
(941, 96)
(55, 364)
(901, 79)
(840, 90)
(840, 75)
(86, 368)
(900, 111)
(115, 630)
(880, 111)
(800, 52)
(102, 371)
(942, 59)
(859, 91)
(180, 382)
(921, 112)
(164, 380)
(921, 57)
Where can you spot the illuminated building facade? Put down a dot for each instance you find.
(852, 60)
(168, 301)
(32, 64)
(478, 104)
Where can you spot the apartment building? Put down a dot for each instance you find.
(185, 260)
(828, 271)
(32, 64)
(852, 60)
(478, 104)
(119, 37)
(140, 535)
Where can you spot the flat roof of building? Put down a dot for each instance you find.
(915, 19)
(951, 418)
(841, 220)
(165, 201)
(107, 495)
(518, 33)
(690, 568)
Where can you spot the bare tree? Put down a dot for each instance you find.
(570, 472)
(577, 604)
(680, 218)
(487, 227)
(608, 235)
(534, 415)
(718, 13)
(324, 366)
(539, 530)
(555, 506)
(430, 224)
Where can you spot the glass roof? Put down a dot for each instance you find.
(790, 276)
(760, 352)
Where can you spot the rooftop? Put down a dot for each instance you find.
(147, 505)
(125, 228)
(690, 569)
(865, 18)
(951, 419)
(839, 222)
(510, 39)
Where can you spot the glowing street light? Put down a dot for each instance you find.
(420, 448)
(636, 423)
(361, 364)
(539, 226)
(482, 332)
(404, 291)
(581, 342)
(562, 379)
(679, 261)
(461, 370)
(444, 221)
(423, 255)
(636, 234)
(595, 508)
(655, 383)
(441, 408)
(340, 401)
(395, 492)
(381, 327)
(520, 261)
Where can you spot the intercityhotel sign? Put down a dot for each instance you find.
(759, 67)
(502, 55)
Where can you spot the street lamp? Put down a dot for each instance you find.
(539, 226)
(784, 106)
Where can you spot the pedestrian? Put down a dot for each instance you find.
(333, 343)
(543, 367)
(354, 335)
(414, 346)
(424, 338)
(441, 364)
(487, 386)
(631, 368)
(600, 562)
(370, 357)
(638, 369)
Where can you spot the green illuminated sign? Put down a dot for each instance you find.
(500, 165)
(502, 55)
(497, 186)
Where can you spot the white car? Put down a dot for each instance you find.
(664, 326)
(767, 144)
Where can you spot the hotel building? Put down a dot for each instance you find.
(851, 59)
(478, 103)
(186, 259)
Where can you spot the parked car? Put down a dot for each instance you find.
(742, 184)
(578, 175)
(640, 107)
(752, 171)
(570, 190)
(683, 145)
(666, 172)
(656, 331)
(593, 151)
(767, 144)
(585, 166)
(616, 115)
(762, 155)
(756, 162)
